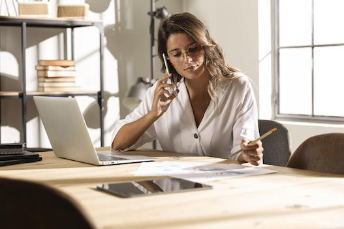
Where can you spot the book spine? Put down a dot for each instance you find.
(56, 62)
(47, 89)
(56, 79)
(56, 84)
(41, 73)
(55, 68)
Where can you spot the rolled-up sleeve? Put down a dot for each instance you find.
(246, 125)
(144, 107)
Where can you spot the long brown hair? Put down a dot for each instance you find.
(187, 23)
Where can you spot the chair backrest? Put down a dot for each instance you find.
(31, 205)
(276, 146)
(321, 153)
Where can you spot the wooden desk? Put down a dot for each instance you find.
(288, 199)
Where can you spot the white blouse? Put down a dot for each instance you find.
(220, 132)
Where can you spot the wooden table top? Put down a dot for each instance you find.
(290, 198)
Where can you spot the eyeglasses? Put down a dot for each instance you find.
(177, 57)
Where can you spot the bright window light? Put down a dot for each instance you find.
(309, 64)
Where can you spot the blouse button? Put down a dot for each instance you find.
(195, 136)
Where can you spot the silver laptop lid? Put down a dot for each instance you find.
(66, 129)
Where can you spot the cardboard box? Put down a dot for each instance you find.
(73, 11)
(33, 8)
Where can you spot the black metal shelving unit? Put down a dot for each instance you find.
(24, 23)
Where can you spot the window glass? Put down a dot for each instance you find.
(329, 81)
(295, 81)
(295, 22)
(328, 21)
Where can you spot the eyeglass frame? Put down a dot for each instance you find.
(186, 53)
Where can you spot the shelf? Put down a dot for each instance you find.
(64, 23)
(63, 93)
(19, 94)
(47, 22)
(10, 94)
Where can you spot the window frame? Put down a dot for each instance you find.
(276, 71)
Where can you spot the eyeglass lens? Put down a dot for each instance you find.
(177, 56)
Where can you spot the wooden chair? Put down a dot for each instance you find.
(321, 153)
(276, 146)
(31, 205)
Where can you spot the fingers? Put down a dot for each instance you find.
(165, 86)
(251, 158)
(252, 152)
(164, 94)
(247, 145)
(164, 90)
(164, 78)
(252, 161)
(162, 83)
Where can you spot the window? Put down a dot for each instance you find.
(310, 59)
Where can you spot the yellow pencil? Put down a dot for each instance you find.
(252, 142)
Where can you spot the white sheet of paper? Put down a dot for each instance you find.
(198, 171)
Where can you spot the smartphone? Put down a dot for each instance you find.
(174, 91)
(165, 62)
(151, 187)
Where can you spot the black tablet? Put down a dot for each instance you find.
(149, 187)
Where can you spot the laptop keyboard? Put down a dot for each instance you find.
(103, 157)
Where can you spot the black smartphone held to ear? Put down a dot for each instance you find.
(151, 187)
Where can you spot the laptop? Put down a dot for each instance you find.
(68, 134)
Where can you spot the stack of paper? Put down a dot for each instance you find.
(198, 171)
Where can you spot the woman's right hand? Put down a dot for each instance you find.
(160, 102)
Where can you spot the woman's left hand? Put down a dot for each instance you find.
(251, 153)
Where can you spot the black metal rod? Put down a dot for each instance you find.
(72, 41)
(152, 31)
(152, 43)
(101, 93)
(0, 115)
(23, 69)
(0, 90)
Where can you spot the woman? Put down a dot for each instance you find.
(214, 111)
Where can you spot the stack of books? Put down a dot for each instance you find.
(56, 75)
(15, 153)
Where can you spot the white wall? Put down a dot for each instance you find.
(234, 26)
(300, 131)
